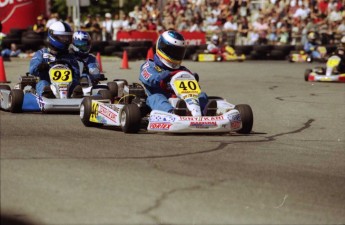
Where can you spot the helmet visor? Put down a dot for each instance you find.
(82, 45)
(65, 39)
(172, 51)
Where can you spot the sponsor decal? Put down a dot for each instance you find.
(146, 75)
(113, 107)
(160, 126)
(191, 101)
(203, 124)
(162, 118)
(1, 97)
(107, 113)
(49, 56)
(158, 68)
(203, 118)
(189, 96)
(40, 102)
(235, 120)
(146, 65)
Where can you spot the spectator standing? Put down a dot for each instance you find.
(96, 29)
(261, 27)
(243, 30)
(230, 29)
(117, 25)
(107, 28)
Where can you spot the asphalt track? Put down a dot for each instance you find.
(290, 170)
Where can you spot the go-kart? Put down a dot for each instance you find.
(326, 74)
(130, 112)
(303, 56)
(23, 97)
(228, 55)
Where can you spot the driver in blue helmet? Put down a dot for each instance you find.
(170, 51)
(81, 45)
(59, 38)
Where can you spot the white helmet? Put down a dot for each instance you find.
(215, 39)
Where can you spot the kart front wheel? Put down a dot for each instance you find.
(130, 118)
(87, 111)
(306, 74)
(15, 101)
(246, 117)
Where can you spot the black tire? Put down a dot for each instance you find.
(246, 117)
(16, 99)
(5, 87)
(113, 88)
(215, 97)
(86, 111)
(130, 118)
(106, 94)
(306, 74)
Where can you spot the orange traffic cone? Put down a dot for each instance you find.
(149, 54)
(125, 60)
(2, 72)
(98, 58)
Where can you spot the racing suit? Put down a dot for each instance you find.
(311, 48)
(152, 72)
(45, 56)
(89, 67)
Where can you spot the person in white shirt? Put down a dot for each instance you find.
(117, 25)
(107, 27)
(230, 28)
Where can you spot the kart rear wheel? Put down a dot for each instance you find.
(86, 111)
(16, 99)
(5, 87)
(306, 74)
(130, 118)
(246, 117)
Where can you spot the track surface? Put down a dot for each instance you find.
(290, 170)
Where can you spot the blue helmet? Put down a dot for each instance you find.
(81, 43)
(171, 48)
(59, 36)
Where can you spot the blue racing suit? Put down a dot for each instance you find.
(311, 48)
(45, 56)
(152, 72)
(90, 67)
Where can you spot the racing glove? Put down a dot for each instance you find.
(42, 67)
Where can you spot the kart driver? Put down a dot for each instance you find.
(80, 47)
(311, 45)
(170, 51)
(59, 39)
(214, 47)
(340, 51)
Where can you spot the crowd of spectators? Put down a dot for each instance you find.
(236, 22)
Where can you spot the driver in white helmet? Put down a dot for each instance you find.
(59, 39)
(170, 51)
